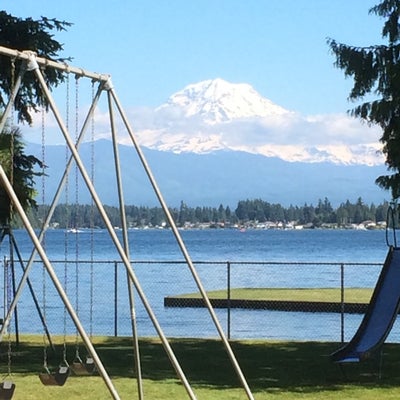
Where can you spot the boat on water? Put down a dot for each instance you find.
(74, 230)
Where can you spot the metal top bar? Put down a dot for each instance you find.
(79, 72)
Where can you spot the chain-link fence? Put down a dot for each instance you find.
(267, 300)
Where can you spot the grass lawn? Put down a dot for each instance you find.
(274, 370)
(352, 295)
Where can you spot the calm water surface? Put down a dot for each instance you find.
(212, 244)
(93, 293)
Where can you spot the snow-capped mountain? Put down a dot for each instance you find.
(216, 101)
(217, 115)
(217, 143)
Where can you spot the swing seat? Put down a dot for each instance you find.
(6, 390)
(57, 378)
(81, 368)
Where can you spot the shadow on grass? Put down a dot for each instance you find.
(285, 366)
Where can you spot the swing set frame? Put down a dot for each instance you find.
(32, 64)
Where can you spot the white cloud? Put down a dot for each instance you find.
(290, 136)
(291, 128)
(341, 128)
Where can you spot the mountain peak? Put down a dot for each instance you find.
(217, 115)
(216, 101)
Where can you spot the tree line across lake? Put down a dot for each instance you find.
(247, 212)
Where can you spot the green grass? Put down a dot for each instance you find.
(274, 370)
(352, 295)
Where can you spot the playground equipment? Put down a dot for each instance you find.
(32, 64)
(380, 316)
(382, 309)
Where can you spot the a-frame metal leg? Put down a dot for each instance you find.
(138, 368)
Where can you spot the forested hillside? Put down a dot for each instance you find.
(247, 212)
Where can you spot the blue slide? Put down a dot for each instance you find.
(380, 316)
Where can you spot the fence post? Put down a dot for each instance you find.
(228, 303)
(115, 298)
(5, 289)
(342, 302)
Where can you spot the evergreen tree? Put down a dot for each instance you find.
(242, 210)
(221, 213)
(198, 215)
(35, 35)
(376, 71)
(308, 214)
(381, 212)
(183, 214)
(20, 170)
(342, 215)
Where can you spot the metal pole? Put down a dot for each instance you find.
(5, 288)
(11, 100)
(184, 251)
(115, 299)
(228, 286)
(342, 302)
(44, 62)
(138, 368)
(13, 287)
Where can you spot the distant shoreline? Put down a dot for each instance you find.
(241, 228)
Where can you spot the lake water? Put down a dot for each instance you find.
(159, 267)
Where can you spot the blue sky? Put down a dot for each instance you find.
(155, 48)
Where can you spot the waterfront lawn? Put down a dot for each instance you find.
(274, 370)
(351, 295)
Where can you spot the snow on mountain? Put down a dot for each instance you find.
(218, 115)
(215, 142)
(217, 101)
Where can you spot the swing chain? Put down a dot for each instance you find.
(43, 156)
(9, 352)
(12, 132)
(9, 283)
(66, 242)
(45, 366)
(65, 361)
(12, 60)
(76, 213)
(92, 221)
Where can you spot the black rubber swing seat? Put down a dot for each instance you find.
(6, 390)
(81, 368)
(57, 378)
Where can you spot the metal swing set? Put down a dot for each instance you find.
(32, 64)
